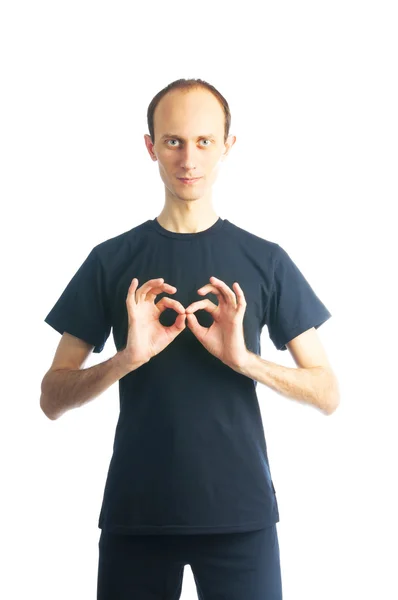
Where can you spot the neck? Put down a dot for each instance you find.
(183, 220)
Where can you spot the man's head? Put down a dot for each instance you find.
(189, 137)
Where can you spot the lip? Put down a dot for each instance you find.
(189, 181)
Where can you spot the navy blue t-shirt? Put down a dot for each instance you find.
(189, 453)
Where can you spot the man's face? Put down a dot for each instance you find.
(196, 147)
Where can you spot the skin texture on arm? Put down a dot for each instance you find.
(313, 381)
(64, 389)
(313, 385)
(67, 385)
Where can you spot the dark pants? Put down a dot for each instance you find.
(234, 566)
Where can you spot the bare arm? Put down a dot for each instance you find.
(313, 385)
(314, 381)
(66, 385)
(64, 388)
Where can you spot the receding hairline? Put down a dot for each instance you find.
(191, 86)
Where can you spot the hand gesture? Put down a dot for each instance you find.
(146, 335)
(225, 338)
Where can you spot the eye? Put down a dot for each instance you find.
(175, 140)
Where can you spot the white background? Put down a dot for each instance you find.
(312, 88)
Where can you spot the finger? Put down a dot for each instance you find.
(166, 302)
(154, 287)
(150, 283)
(180, 322)
(151, 292)
(226, 290)
(240, 296)
(195, 327)
(174, 330)
(177, 327)
(206, 304)
(141, 292)
(206, 289)
(155, 291)
(130, 298)
(215, 289)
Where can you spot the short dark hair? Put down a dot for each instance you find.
(187, 84)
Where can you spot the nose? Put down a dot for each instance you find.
(188, 157)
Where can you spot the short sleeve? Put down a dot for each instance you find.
(81, 310)
(293, 306)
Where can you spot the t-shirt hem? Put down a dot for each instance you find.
(316, 323)
(182, 529)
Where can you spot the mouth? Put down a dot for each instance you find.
(189, 181)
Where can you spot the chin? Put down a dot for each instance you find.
(189, 199)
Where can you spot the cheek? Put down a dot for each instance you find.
(165, 171)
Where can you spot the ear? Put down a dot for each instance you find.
(231, 139)
(149, 145)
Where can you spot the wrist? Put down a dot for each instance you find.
(244, 365)
(124, 363)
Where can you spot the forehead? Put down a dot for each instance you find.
(188, 113)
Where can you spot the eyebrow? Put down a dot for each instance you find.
(172, 135)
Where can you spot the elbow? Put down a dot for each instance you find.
(45, 405)
(45, 409)
(331, 403)
(331, 400)
(331, 407)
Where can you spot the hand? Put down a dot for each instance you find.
(225, 338)
(146, 335)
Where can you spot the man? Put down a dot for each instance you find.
(189, 480)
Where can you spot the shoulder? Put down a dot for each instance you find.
(248, 237)
(120, 246)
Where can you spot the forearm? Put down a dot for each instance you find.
(64, 389)
(316, 385)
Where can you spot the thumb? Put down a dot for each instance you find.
(174, 330)
(194, 326)
(179, 324)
